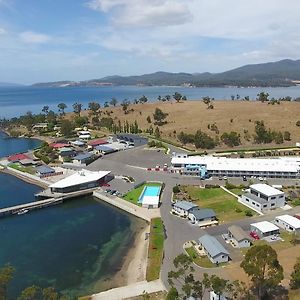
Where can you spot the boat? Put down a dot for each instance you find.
(23, 211)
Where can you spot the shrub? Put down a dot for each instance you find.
(248, 213)
(172, 294)
(238, 210)
(151, 143)
(176, 189)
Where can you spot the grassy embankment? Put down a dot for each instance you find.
(155, 250)
(225, 205)
(201, 261)
(21, 168)
(133, 195)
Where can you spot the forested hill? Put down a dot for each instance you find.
(281, 73)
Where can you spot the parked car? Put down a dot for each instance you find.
(260, 178)
(108, 191)
(254, 235)
(244, 178)
(225, 177)
(112, 192)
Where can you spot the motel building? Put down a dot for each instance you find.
(289, 223)
(183, 208)
(81, 180)
(264, 229)
(206, 166)
(263, 197)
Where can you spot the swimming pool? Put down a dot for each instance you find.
(149, 191)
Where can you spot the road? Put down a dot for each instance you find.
(134, 163)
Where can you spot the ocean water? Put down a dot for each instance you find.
(18, 100)
(75, 247)
(9, 145)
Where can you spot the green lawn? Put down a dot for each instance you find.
(21, 168)
(238, 192)
(133, 195)
(225, 205)
(155, 250)
(201, 261)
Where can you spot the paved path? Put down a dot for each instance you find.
(131, 290)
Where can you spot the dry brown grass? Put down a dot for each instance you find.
(189, 116)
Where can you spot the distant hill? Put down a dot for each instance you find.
(280, 73)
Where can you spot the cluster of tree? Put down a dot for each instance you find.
(30, 293)
(264, 97)
(208, 101)
(200, 139)
(125, 127)
(159, 117)
(264, 136)
(231, 139)
(156, 132)
(260, 264)
(177, 97)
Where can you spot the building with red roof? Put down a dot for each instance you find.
(17, 157)
(59, 145)
(98, 142)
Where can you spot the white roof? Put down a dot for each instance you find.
(83, 176)
(290, 220)
(241, 164)
(265, 226)
(84, 132)
(150, 200)
(266, 189)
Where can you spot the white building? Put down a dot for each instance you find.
(264, 229)
(204, 166)
(238, 236)
(263, 197)
(183, 208)
(288, 223)
(203, 217)
(80, 180)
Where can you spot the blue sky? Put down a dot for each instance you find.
(48, 40)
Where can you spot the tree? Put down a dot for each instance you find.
(231, 139)
(149, 119)
(77, 108)
(262, 266)
(156, 132)
(247, 98)
(31, 293)
(80, 121)
(159, 116)
(29, 120)
(168, 97)
(218, 285)
(185, 138)
(6, 274)
(287, 136)
(66, 128)
(62, 107)
(184, 98)
(94, 107)
(159, 98)
(295, 276)
(143, 99)
(177, 96)
(113, 102)
(125, 104)
(262, 97)
(45, 109)
(203, 140)
(172, 294)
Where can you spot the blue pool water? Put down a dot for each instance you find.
(149, 191)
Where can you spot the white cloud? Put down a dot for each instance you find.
(144, 13)
(2, 31)
(34, 37)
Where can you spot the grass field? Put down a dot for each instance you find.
(225, 205)
(239, 116)
(155, 250)
(152, 296)
(133, 195)
(18, 167)
(201, 261)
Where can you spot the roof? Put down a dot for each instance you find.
(98, 142)
(104, 148)
(130, 136)
(185, 205)
(241, 164)
(82, 156)
(44, 169)
(290, 220)
(265, 226)
(255, 198)
(266, 189)
(65, 149)
(27, 161)
(78, 143)
(203, 213)
(150, 200)
(59, 145)
(17, 157)
(81, 177)
(83, 132)
(212, 245)
(238, 233)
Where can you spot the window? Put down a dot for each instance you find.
(272, 204)
(273, 198)
(247, 199)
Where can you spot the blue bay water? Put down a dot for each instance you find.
(18, 100)
(75, 247)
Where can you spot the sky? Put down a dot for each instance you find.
(51, 40)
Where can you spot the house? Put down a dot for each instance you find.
(238, 236)
(40, 126)
(213, 249)
(83, 158)
(80, 180)
(66, 152)
(132, 139)
(27, 162)
(203, 216)
(78, 143)
(288, 223)
(183, 208)
(215, 296)
(264, 229)
(97, 142)
(17, 157)
(58, 145)
(84, 134)
(44, 171)
(103, 149)
(263, 197)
